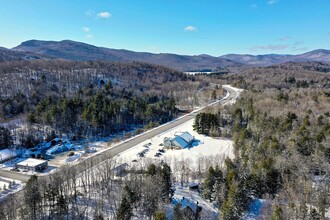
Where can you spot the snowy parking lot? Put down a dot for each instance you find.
(213, 150)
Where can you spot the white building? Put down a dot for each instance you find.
(32, 164)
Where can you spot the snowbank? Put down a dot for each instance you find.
(7, 155)
(63, 146)
(75, 157)
(9, 186)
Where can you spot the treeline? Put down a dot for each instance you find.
(93, 98)
(24, 84)
(102, 111)
(93, 193)
(284, 76)
(90, 99)
(277, 155)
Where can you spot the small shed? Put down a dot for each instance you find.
(32, 164)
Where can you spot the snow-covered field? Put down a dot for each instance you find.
(210, 149)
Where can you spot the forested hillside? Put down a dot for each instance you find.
(92, 99)
(281, 130)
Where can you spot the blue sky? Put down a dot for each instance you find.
(193, 27)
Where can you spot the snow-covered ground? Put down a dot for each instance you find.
(194, 73)
(212, 150)
(9, 186)
(191, 198)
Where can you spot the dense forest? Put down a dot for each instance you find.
(92, 99)
(280, 127)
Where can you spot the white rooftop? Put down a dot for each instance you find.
(31, 162)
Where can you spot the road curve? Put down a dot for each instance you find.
(98, 158)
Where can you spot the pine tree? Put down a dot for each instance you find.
(124, 211)
(207, 187)
(6, 138)
(217, 186)
(166, 176)
(32, 197)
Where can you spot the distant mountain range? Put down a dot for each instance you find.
(71, 50)
(271, 59)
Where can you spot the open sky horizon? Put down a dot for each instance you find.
(191, 27)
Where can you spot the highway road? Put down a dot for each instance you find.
(98, 158)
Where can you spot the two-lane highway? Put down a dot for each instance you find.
(110, 152)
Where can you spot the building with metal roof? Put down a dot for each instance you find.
(180, 141)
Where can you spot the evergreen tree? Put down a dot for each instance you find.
(32, 197)
(207, 187)
(6, 138)
(124, 211)
(166, 176)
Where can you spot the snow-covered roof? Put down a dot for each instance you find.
(180, 142)
(187, 137)
(30, 162)
(7, 154)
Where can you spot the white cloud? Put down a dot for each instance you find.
(190, 28)
(271, 2)
(85, 29)
(254, 6)
(269, 47)
(104, 14)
